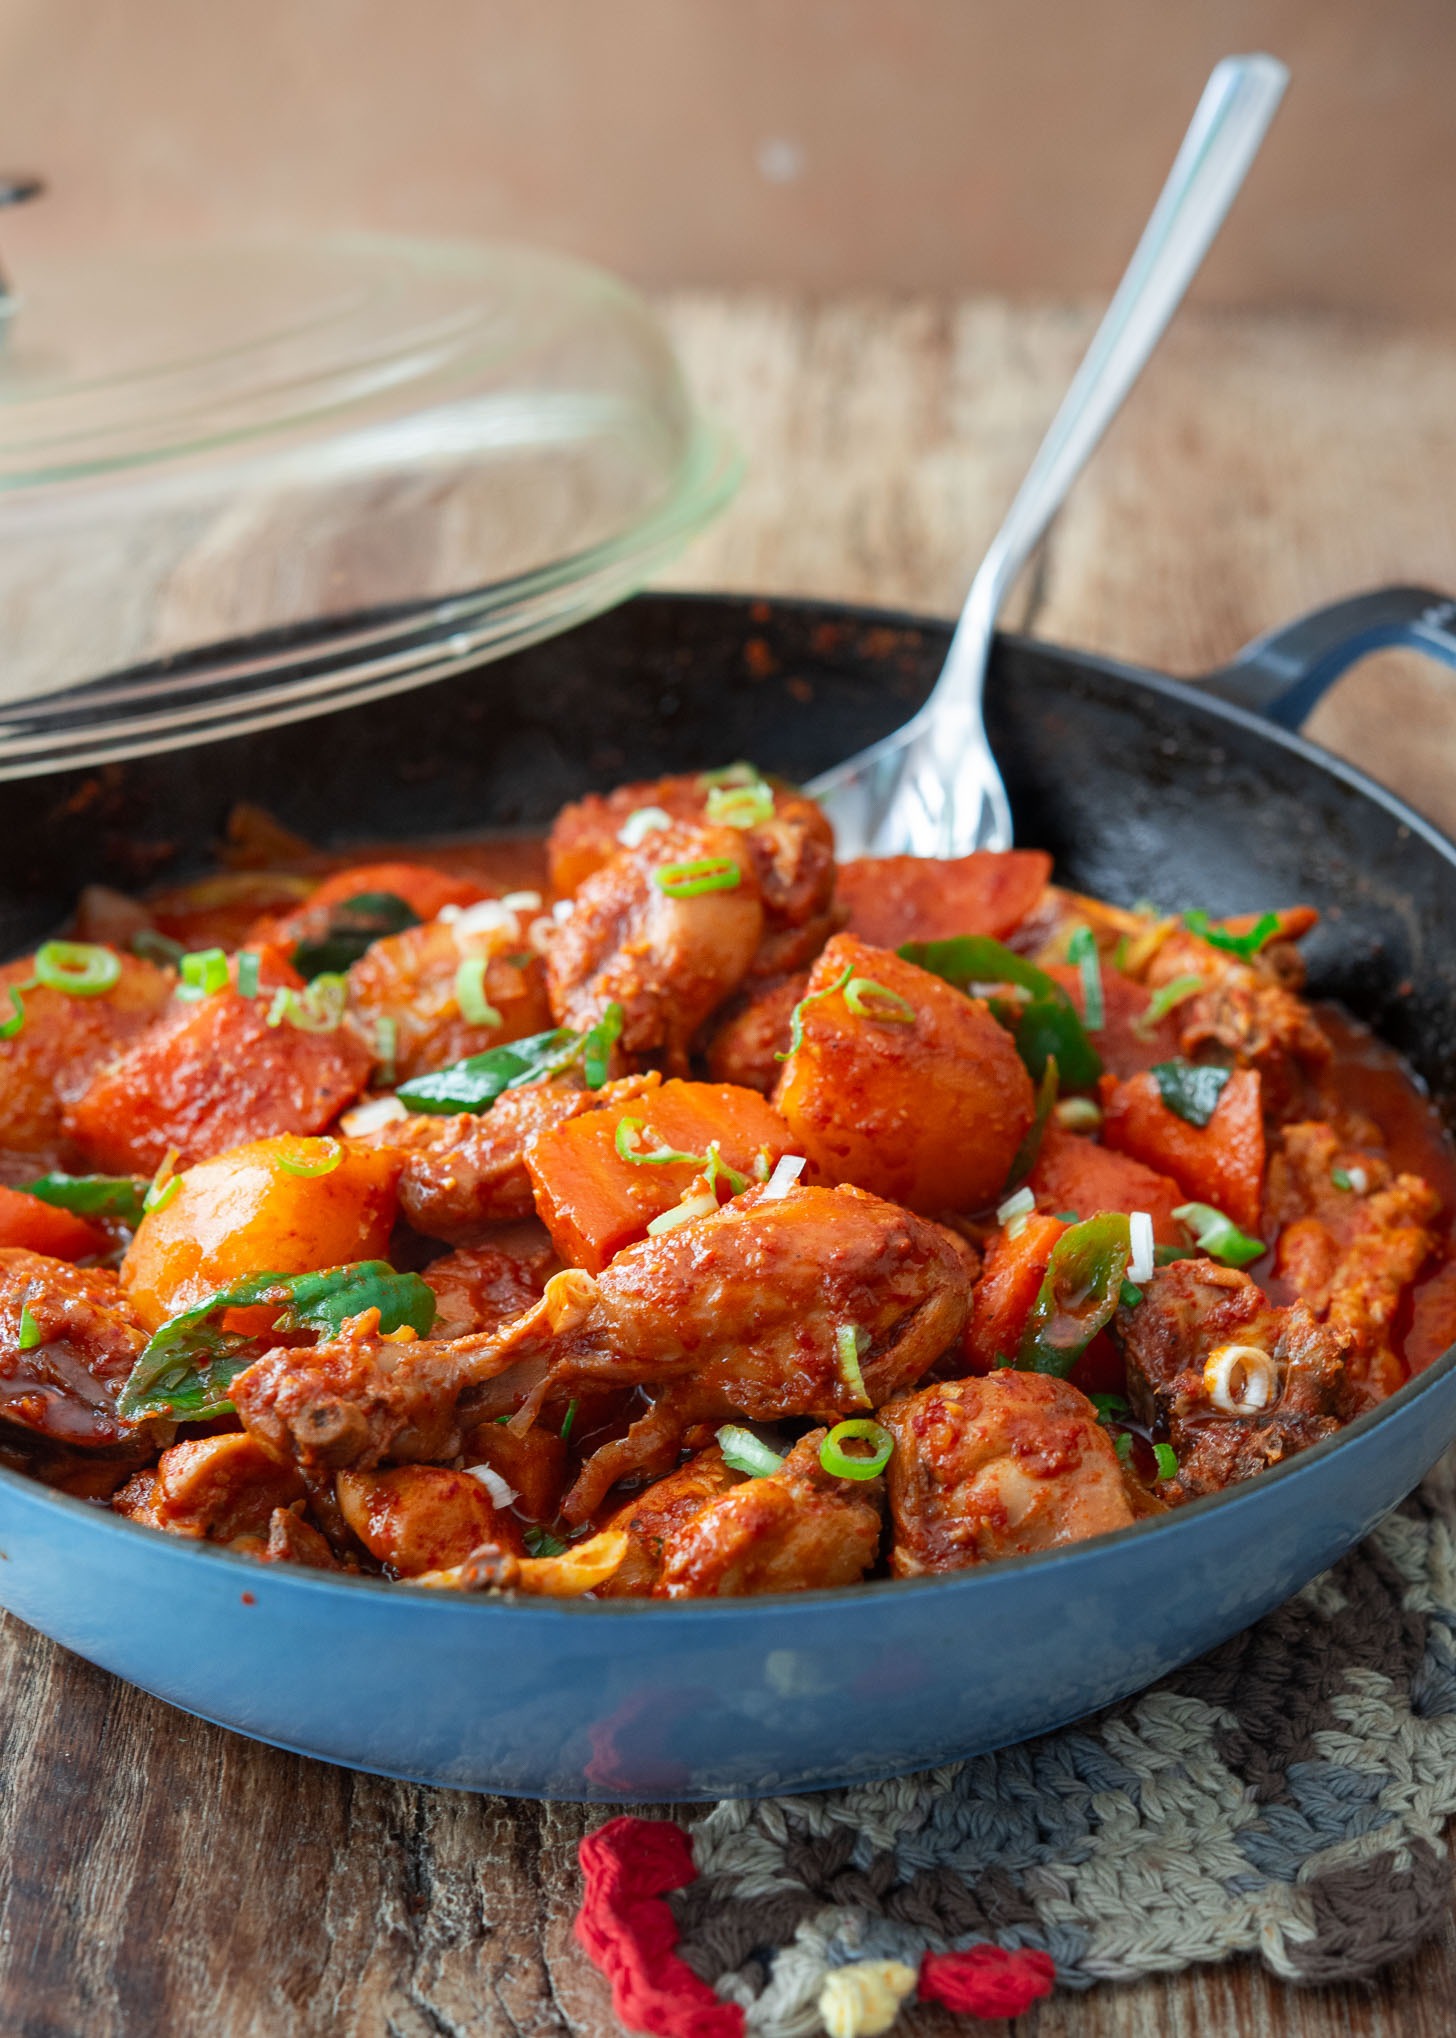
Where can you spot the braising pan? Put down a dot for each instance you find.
(1142, 787)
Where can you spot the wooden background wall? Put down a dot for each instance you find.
(941, 145)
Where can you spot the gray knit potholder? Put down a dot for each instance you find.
(1285, 1796)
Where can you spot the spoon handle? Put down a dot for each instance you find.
(1230, 122)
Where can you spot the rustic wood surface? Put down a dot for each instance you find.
(161, 1876)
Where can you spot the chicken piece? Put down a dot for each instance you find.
(480, 1287)
(416, 1518)
(750, 1311)
(411, 980)
(468, 1171)
(585, 1567)
(211, 1488)
(669, 961)
(68, 1340)
(791, 850)
(652, 1517)
(1351, 1253)
(1236, 1383)
(533, 1466)
(359, 1398)
(998, 1467)
(165, 1091)
(754, 1032)
(1245, 1010)
(292, 1540)
(792, 1531)
(62, 1041)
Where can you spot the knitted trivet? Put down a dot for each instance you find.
(1285, 1796)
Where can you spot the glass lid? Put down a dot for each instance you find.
(243, 484)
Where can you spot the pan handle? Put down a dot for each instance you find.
(1284, 675)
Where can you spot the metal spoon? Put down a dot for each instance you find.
(932, 788)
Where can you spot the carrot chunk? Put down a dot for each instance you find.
(593, 1202)
(893, 899)
(209, 1076)
(1073, 1174)
(45, 1228)
(1015, 1270)
(1221, 1163)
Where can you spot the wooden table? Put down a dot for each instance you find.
(164, 1879)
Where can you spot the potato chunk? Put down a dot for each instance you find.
(417, 1518)
(209, 1076)
(246, 1213)
(925, 1106)
(593, 1202)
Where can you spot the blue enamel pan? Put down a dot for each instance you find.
(1141, 786)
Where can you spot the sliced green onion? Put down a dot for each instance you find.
(717, 1169)
(1190, 1090)
(309, 1164)
(1244, 945)
(1162, 1002)
(248, 966)
(597, 1044)
(82, 969)
(1078, 1114)
(1108, 1405)
(842, 1464)
(869, 1000)
(740, 773)
(1122, 1444)
(1082, 950)
(164, 1184)
(203, 971)
(1129, 1295)
(702, 874)
(1167, 1461)
(11, 1026)
(690, 1208)
(1341, 1178)
(747, 1453)
(1219, 1236)
(796, 1017)
(31, 1333)
(640, 823)
(317, 1009)
(1014, 1206)
(740, 806)
(386, 1047)
(475, 1008)
(630, 1131)
(541, 1543)
(849, 1342)
(568, 1419)
(154, 947)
